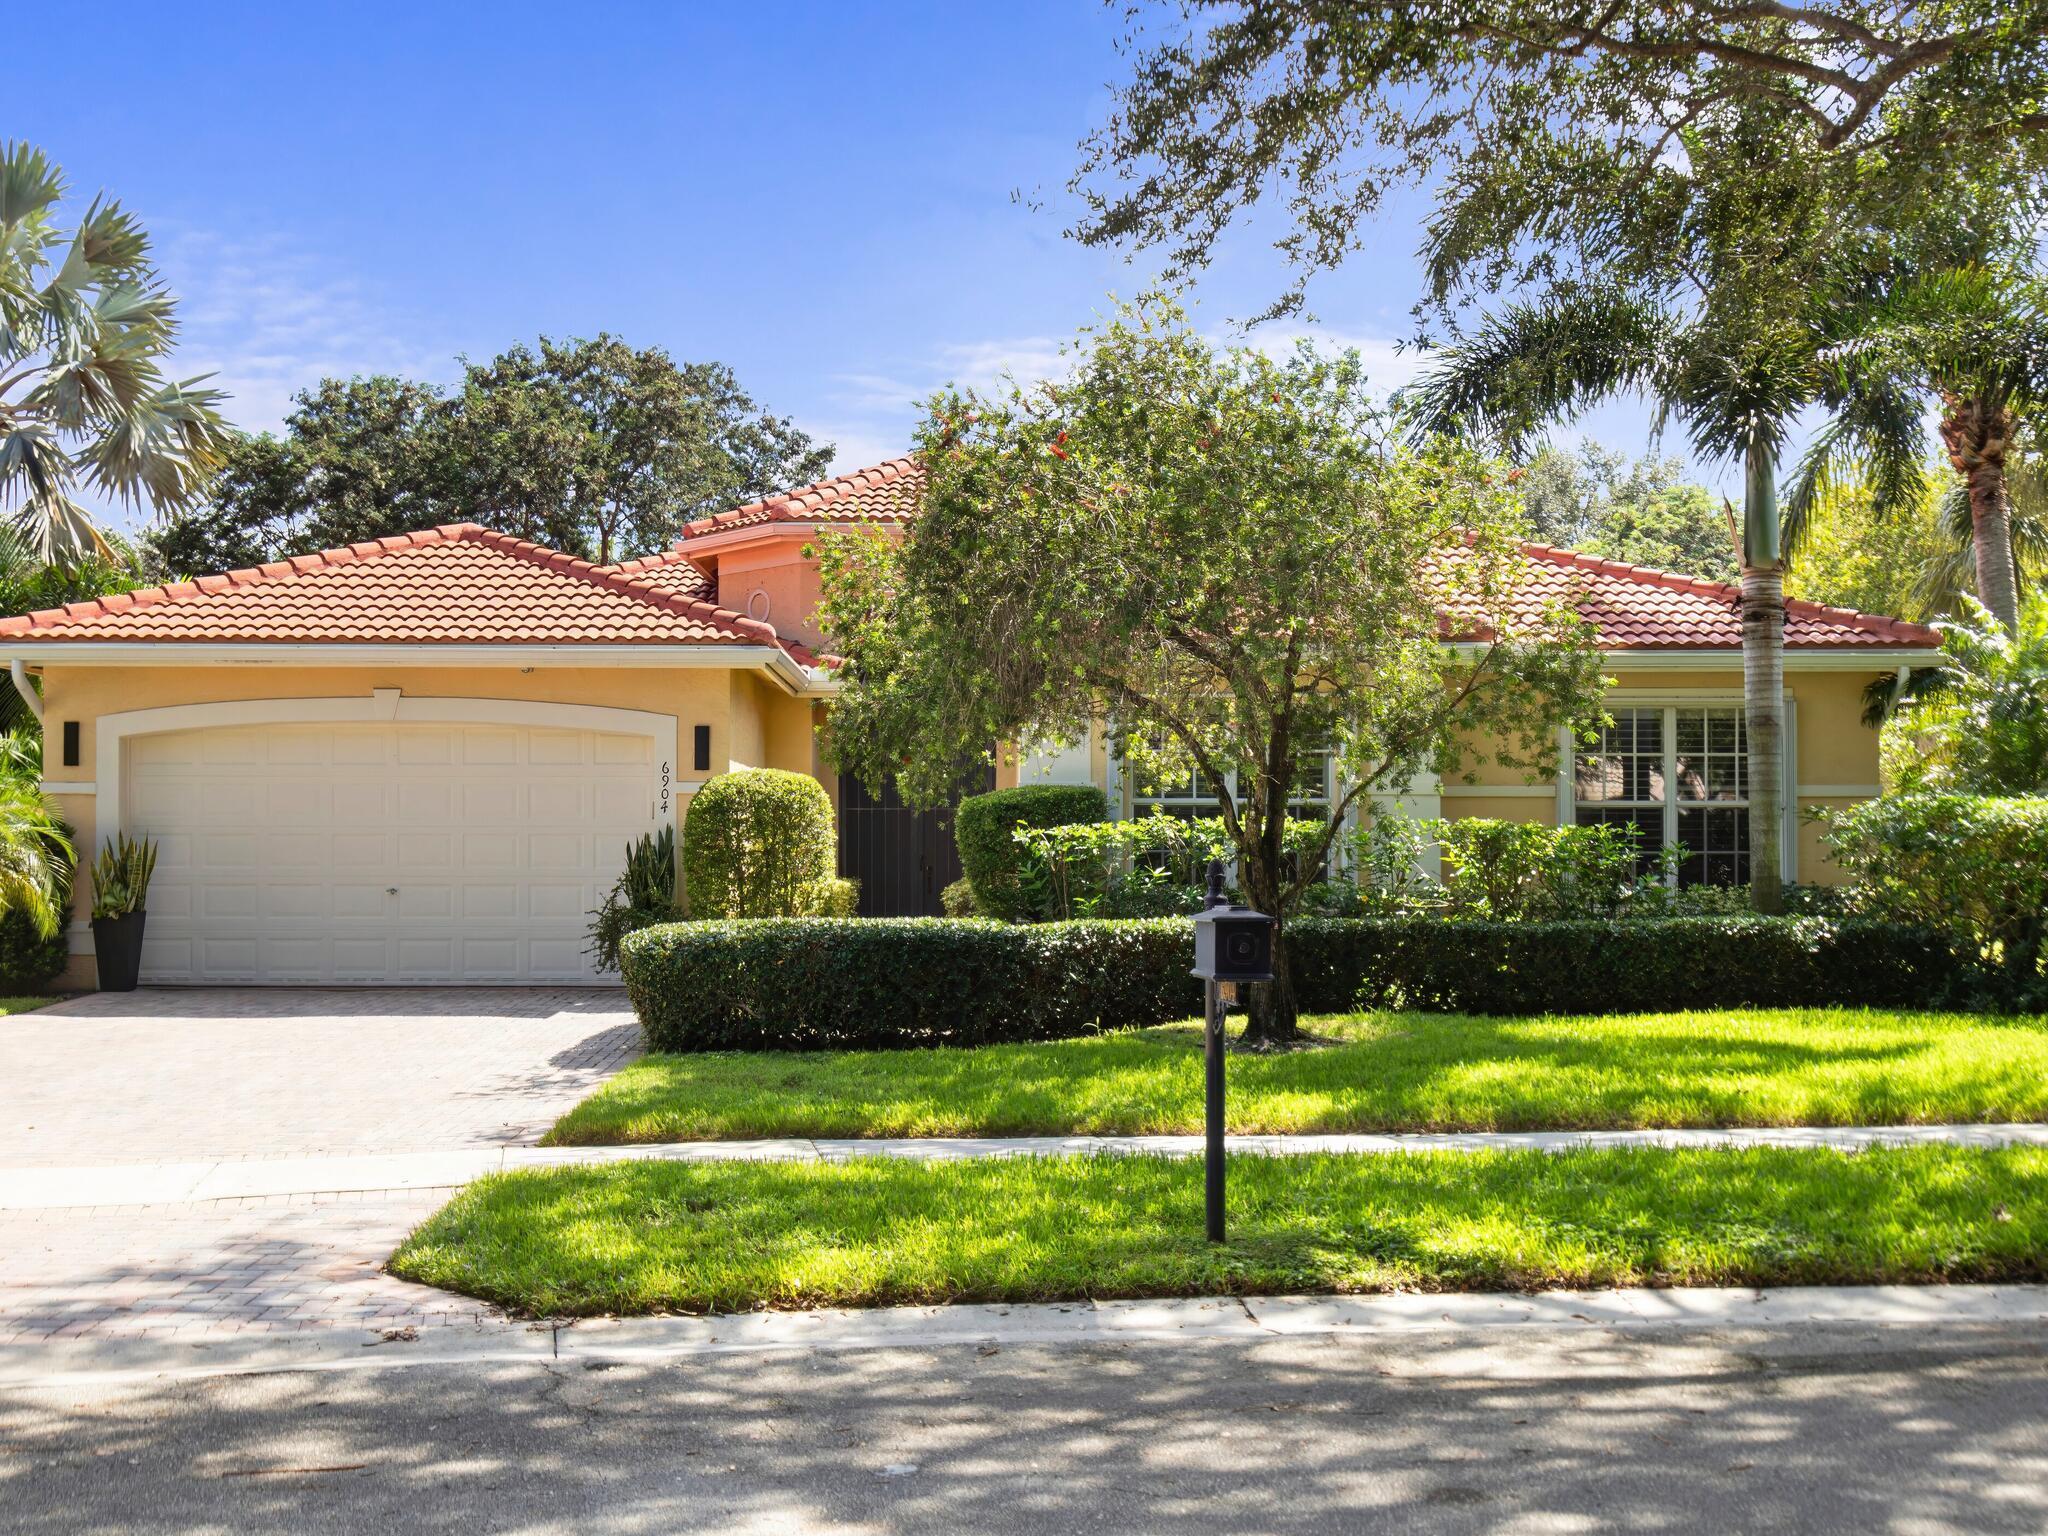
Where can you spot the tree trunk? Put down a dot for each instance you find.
(1763, 676)
(1272, 1016)
(1975, 435)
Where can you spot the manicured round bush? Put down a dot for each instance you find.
(753, 841)
(984, 829)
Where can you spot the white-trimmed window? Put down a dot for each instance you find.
(1677, 774)
(1186, 797)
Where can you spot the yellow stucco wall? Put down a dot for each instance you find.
(1834, 752)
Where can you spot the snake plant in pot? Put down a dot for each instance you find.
(120, 893)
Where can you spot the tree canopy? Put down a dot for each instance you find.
(1642, 512)
(591, 446)
(1230, 559)
(1560, 137)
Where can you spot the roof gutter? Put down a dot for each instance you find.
(17, 671)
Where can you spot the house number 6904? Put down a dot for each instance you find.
(664, 790)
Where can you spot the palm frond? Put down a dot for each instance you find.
(1531, 364)
(165, 449)
(35, 857)
(29, 184)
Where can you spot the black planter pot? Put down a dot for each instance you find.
(117, 945)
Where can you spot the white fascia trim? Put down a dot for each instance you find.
(164, 653)
(160, 653)
(70, 787)
(112, 731)
(1797, 659)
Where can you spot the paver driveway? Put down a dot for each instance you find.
(175, 1075)
(191, 1075)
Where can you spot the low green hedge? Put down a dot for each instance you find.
(820, 984)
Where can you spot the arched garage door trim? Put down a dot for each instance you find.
(384, 706)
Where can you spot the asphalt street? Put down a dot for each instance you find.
(1921, 1429)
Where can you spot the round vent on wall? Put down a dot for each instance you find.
(758, 605)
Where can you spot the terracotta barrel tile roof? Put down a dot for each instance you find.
(1639, 608)
(465, 585)
(885, 493)
(459, 585)
(669, 571)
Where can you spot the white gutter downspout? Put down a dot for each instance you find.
(26, 689)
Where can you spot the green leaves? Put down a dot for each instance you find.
(1230, 560)
(1983, 727)
(82, 388)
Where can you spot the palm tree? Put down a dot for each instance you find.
(1977, 337)
(85, 325)
(1941, 585)
(36, 857)
(1736, 377)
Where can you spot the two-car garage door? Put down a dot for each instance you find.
(381, 852)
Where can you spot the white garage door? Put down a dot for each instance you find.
(381, 853)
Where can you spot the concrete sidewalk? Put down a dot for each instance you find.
(154, 1184)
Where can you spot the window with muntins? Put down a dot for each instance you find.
(1678, 775)
(1186, 797)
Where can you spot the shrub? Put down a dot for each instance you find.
(957, 899)
(643, 895)
(819, 984)
(28, 960)
(1975, 866)
(1616, 965)
(752, 840)
(828, 898)
(880, 983)
(1153, 866)
(1508, 871)
(985, 828)
(1980, 724)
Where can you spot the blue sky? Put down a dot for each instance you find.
(821, 195)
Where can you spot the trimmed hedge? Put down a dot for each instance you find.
(814, 984)
(984, 829)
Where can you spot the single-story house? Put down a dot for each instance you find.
(420, 759)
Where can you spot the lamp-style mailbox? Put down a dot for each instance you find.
(1232, 944)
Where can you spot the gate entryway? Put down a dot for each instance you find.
(903, 858)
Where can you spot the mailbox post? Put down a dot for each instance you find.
(1233, 944)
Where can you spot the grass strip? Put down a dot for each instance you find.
(1384, 1072)
(666, 1237)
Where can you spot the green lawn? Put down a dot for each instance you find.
(659, 1237)
(24, 1004)
(1389, 1072)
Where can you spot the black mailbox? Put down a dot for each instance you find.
(1233, 944)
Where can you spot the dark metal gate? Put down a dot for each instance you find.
(902, 858)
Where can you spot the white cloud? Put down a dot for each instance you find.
(269, 320)
(1389, 364)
